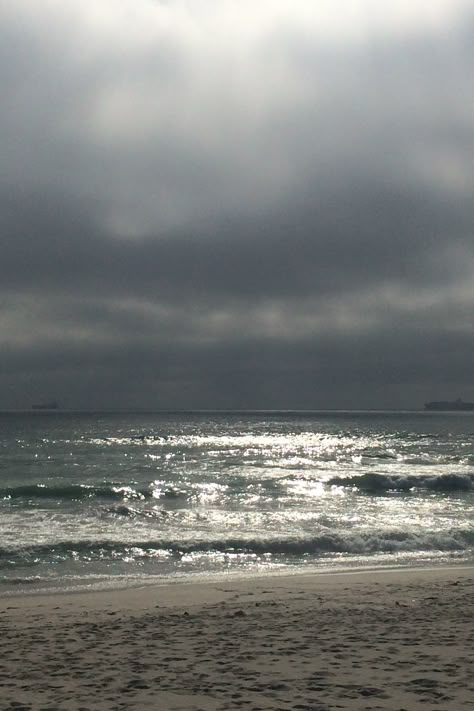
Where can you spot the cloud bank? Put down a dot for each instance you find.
(223, 204)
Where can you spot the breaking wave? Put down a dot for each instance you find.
(350, 543)
(76, 492)
(375, 483)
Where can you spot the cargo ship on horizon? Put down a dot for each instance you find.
(449, 405)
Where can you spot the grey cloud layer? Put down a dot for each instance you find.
(206, 211)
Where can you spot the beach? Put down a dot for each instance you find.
(386, 639)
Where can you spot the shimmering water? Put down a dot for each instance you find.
(110, 500)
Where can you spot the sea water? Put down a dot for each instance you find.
(89, 501)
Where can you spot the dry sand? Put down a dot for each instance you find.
(388, 640)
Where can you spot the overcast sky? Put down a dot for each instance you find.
(236, 203)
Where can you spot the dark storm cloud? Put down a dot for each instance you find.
(340, 243)
(235, 207)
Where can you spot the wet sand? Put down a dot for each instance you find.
(387, 640)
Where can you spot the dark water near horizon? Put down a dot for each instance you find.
(92, 500)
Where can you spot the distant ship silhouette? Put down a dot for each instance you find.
(445, 405)
(46, 406)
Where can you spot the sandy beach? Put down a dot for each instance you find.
(380, 640)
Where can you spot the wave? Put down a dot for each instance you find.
(124, 511)
(132, 439)
(28, 580)
(74, 492)
(369, 482)
(323, 544)
(375, 483)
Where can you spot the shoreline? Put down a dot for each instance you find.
(186, 587)
(234, 576)
(357, 640)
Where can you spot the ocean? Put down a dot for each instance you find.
(97, 501)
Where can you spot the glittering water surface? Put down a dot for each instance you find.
(95, 500)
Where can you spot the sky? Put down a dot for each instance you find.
(236, 203)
